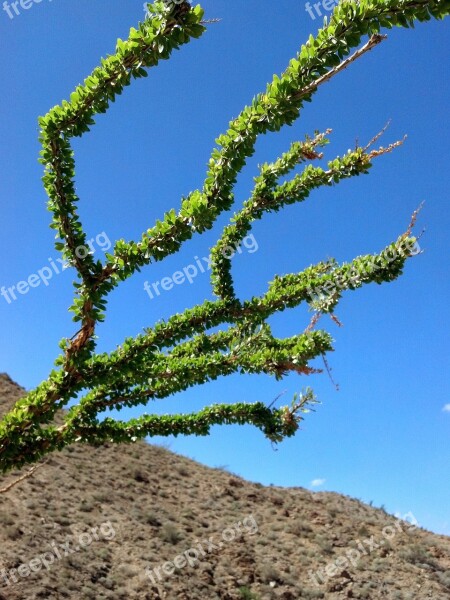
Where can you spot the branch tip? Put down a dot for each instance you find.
(413, 221)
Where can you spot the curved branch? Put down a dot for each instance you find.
(26, 475)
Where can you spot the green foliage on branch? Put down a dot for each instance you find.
(182, 352)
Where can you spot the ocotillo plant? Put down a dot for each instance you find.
(182, 351)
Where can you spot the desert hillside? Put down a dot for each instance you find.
(140, 522)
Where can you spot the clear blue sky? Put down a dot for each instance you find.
(384, 436)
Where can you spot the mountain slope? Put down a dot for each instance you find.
(140, 522)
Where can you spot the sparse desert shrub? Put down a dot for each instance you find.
(271, 535)
(419, 556)
(151, 518)
(247, 594)
(269, 573)
(103, 552)
(277, 500)
(234, 482)
(88, 593)
(13, 532)
(169, 533)
(140, 476)
(299, 528)
(365, 592)
(182, 470)
(109, 583)
(312, 594)
(444, 578)
(363, 531)
(127, 571)
(324, 544)
(73, 585)
(6, 519)
(102, 497)
(87, 506)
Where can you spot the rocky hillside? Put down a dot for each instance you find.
(139, 522)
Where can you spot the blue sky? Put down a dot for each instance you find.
(384, 436)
